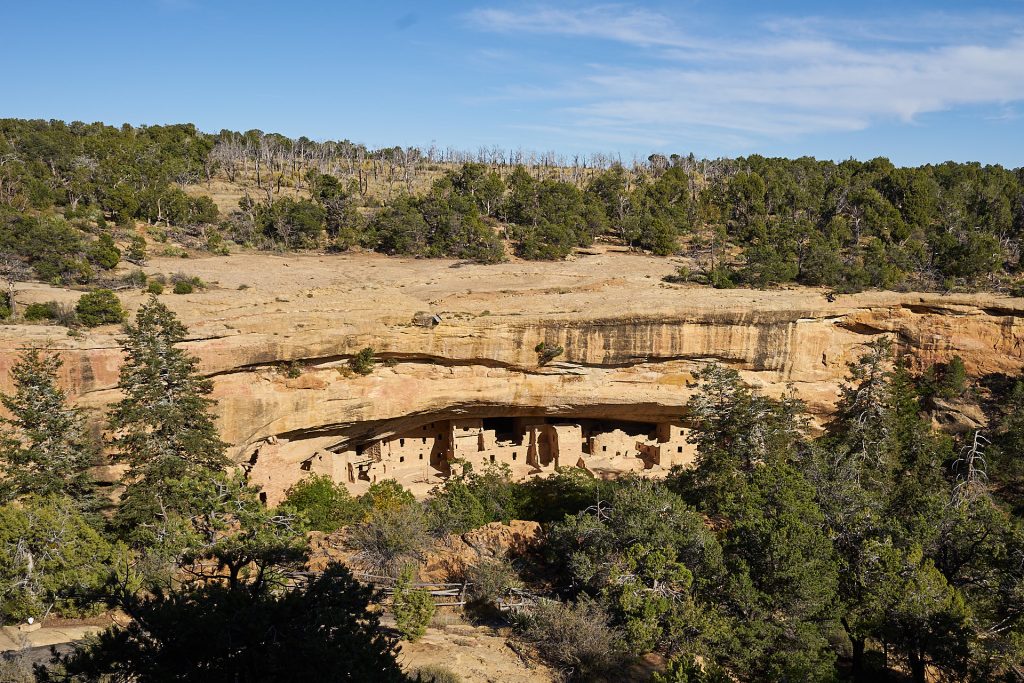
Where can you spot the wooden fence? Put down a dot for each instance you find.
(451, 594)
(444, 594)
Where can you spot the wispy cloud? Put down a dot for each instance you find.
(780, 78)
(614, 22)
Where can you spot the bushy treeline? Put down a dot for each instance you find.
(754, 220)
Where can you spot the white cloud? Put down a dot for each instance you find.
(782, 78)
(614, 22)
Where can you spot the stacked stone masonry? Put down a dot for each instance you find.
(425, 456)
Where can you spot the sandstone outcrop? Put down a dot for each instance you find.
(631, 343)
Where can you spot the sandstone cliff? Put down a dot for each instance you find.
(631, 342)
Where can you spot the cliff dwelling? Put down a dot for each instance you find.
(424, 456)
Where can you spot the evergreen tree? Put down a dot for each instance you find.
(162, 426)
(322, 630)
(49, 451)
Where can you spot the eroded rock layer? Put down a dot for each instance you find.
(276, 334)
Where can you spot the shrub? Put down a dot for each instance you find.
(16, 667)
(320, 630)
(47, 310)
(215, 244)
(453, 509)
(136, 278)
(136, 250)
(363, 362)
(99, 308)
(326, 505)
(5, 305)
(574, 636)
(104, 253)
(186, 284)
(391, 538)
(682, 275)
(490, 580)
(433, 673)
(413, 607)
(547, 352)
(154, 287)
(51, 559)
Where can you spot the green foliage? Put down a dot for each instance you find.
(945, 380)
(100, 307)
(53, 249)
(549, 217)
(162, 427)
(104, 253)
(386, 494)
(363, 362)
(51, 559)
(547, 352)
(685, 669)
(320, 630)
(186, 284)
(493, 488)
(453, 509)
(325, 505)
(136, 250)
(445, 222)
(5, 305)
(344, 224)
(218, 528)
(154, 287)
(295, 223)
(47, 310)
(413, 607)
(46, 449)
(847, 225)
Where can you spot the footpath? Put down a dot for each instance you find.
(26, 637)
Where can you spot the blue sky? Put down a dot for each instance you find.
(915, 81)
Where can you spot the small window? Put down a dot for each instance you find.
(401, 459)
(492, 457)
(513, 456)
(306, 464)
(401, 442)
(604, 448)
(679, 450)
(421, 456)
(424, 439)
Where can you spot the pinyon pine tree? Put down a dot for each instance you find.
(162, 426)
(47, 450)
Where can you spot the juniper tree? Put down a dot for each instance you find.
(162, 426)
(48, 450)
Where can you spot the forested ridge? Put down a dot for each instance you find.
(749, 221)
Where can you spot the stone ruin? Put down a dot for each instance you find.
(424, 457)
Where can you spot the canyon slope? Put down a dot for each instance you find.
(276, 333)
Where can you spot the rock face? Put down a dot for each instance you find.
(631, 342)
